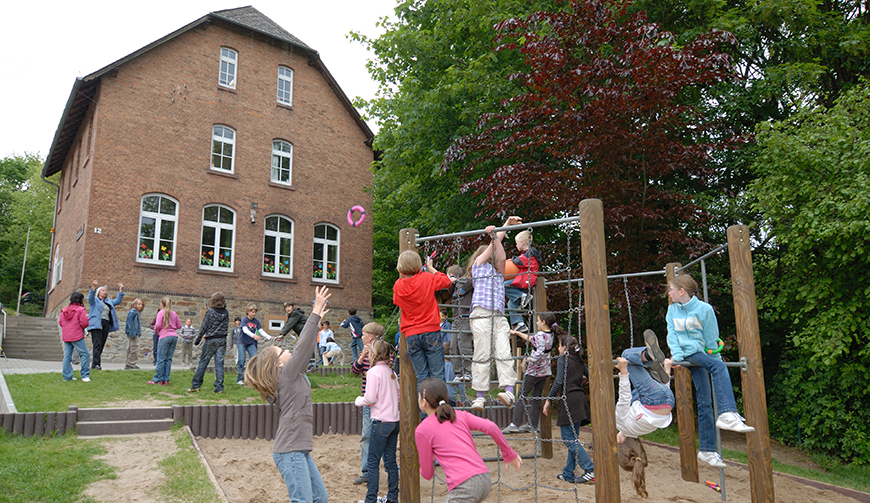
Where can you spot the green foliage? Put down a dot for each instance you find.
(47, 469)
(24, 200)
(814, 187)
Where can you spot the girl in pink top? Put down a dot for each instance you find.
(446, 434)
(166, 326)
(382, 395)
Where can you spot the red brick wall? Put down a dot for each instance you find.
(153, 128)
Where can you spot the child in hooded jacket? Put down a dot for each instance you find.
(73, 320)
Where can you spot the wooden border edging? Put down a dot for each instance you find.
(220, 490)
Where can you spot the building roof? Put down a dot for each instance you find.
(84, 88)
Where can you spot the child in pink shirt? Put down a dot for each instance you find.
(382, 395)
(446, 434)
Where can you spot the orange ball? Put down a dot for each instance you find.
(510, 269)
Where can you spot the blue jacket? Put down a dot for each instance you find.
(96, 306)
(355, 323)
(133, 327)
(692, 328)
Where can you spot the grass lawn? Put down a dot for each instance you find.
(49, 392)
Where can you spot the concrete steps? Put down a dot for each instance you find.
(33, 338)
(118, 421)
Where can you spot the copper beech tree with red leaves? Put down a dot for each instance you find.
(612, 110)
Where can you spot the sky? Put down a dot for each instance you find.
(48, 43)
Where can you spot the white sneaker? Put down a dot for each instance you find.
(240, 382)
(478, 403)
(86, 379)
(506, 398)
(732, 421)
(511, 428)
(712, 459)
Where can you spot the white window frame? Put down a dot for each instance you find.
(326, 242)
(276, 325)
(227, 75)
(217, 250)
(156, 254)
(278, 155)
(58, 267)
(285, 94)
(223, 140)
(278, 236)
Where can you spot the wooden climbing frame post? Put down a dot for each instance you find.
(409, 409)
(599, 349)
(752, 379)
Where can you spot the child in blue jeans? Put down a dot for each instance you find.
(252, 332)
(692, 329)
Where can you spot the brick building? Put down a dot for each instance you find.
(222, 157)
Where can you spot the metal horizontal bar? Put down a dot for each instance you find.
(703, 257)
(521, 226)
(613, 276)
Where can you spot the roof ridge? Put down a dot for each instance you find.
(253, 19)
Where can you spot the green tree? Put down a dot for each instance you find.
(813, 186)
(25, 200)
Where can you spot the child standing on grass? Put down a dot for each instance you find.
(414, 293)
(187, 333)
(537, 367)
(73, 320)
(280, 378)
(213, 329)
(166, 327)
(360, 366)
(382, 395)
(446, 435)
(133, 329)
(251, 333)
(488, 324)
(573, 409)
(692, 329)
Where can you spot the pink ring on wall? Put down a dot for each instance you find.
(362, 216)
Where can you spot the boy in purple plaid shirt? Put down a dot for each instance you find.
(488, 324)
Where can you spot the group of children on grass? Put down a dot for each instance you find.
(644, 404)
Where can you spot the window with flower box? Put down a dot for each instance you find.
(325, 262)
(278, 247)
(158, 219)
(218, 238)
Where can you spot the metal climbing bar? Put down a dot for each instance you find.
(613, 276)
(707, 255)
(523, 225)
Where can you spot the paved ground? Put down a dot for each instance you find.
(19, 366)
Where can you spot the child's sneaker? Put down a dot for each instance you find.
(478, 403)
(525, 300)
(511, 428)
(734, 422)
(527, 428)
(586, 478)
(521, 327)
(85, 379)
(506, 398)
(240, 382)
(656, 357)
(712, 458)
(563, 478)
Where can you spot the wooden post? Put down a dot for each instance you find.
(685, 410)
(599, 350)
(748, 342)
(409, 410)
(545, 422)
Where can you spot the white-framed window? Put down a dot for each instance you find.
(276, 325)
(223, 152)
(325, 263)
(218, 238)
(58, 267)
(285, 85)
(158, 227)
(282, 162)
(278, 247)
(229, 63)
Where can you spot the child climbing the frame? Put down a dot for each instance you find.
(414, 293)
(518, 289)
(488, 324)
(537, 367)
(382, 395)
(573, 409)
(280, 378)
(446, 435)
(692, 330)
(645, 408)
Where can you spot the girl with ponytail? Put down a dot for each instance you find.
(446, 434)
